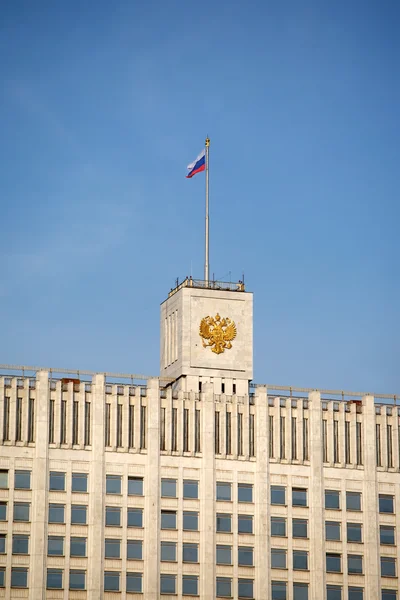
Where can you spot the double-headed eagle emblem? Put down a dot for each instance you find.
(217, 333)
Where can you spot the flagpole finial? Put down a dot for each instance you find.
(207, 142)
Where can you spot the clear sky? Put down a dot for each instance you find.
(102, 106)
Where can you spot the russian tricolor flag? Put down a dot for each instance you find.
(197, 165)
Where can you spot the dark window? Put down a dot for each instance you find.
(6, 419)
(51, 422)
(186, 430)
(2, 577)
(282, 437)
(335, 441)
(278, 590)
(299, 497)
(354, 564)
(347, 443)
(174, 430)
(168, 551)
(197, 445)
(278, 526)
(224, 491)
(3, 511)
(245, 492)
(190, 489)
(54, 579)
(135, 517)
(79, 482)
(356, 593)
(278, 558)
(142, 427)
(131, 432)
(190, 553)
(300, 560)
(113, 484)
(388, 566)
(22, 510)
(359, 456)
(245, 556)
(300, 591)
(245, 524)
(135, 486)
(111, 581)
(353, 500)
(332, 499)
(300, 528)
(78, 546)
(78, 514)
(57, 481)
(294, 438)
(224, 587)
(162, 428)
(77, 579)
(354, 533)
(386, 504)
(228, 430)
(224, 522)
(278, 494)
(168, 488)
(305, 439)
(167, 584)
(190, 520)
(332, 530)
(22, 480)
(113, 516)
(4, 479)
(387, 535)
(20, 544)
(251, 435)
(216, 438)
(224, 555)
(333, 563)
(134, 582)
(75, 422)
(168, 519)
(3, 538)
(19, 577)
(55, 545)
(107, 428)
(389, 594)
(134, 549)
(18, 421)
(112, 548)
(333, 592)
(119, 425)
(87, 423)
(190, 585)
(63, 428)
(245, 588)
(240, 434)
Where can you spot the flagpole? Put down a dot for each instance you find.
(206, 263)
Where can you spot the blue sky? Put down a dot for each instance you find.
(102, 106)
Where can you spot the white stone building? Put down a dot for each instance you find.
(196, 483)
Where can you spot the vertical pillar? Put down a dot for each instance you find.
(261, 528)
(207, 494)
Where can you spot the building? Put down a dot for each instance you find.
(197, 482)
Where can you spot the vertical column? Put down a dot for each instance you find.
(316, 523)
(152, 493)
(37, 580)
(207, 491)
(261, 529)
(97, 489)
(370, 501)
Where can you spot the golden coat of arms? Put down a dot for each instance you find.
(217, 333)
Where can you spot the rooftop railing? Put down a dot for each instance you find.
(227, 286)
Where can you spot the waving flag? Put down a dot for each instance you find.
(197, 165)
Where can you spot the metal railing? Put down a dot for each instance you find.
(227, 286)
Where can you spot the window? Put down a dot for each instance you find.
(333, 563)
(278, 495)
(245, 524)
(107, 428)
(224, 555)
(113, 516)
(299, 528)
(75, 422)
(112, 548)
(87, 423)
(389, 594)
(18, 421)
(3, 538)
(386, 504)
(168, 488)
(21, 511)
(197, 446)
(353, 500)
(22, 480)
(134, 582)
(324, 440)
(271, 436)
(228, 429)
(354, 564)
(3, 479)
(162, 428)
(19, 577)
(186, 430)
(3, 511)
(57, 481)
(134, 549)
(190, 552)
(354, 532)
(55, 545)
(111, 581)
(282, 437)
(359, 444)
(6, 419)
(190, 520)
(63, 424)
(240, 434)
(300, 560)
(216, 440)
(2, 577)
(347, 445)
(378, 445)
(278, 527)
(278, 558)
(294, 438)
(190, 585)
(356, 593)
(174, 431)
(300, 591)
(386, 535)
(332, 530)
(245, 556)
(305, 439)
(168, 551)
(332, 499)
(79, 482)
(135, 517)
(79, 514)
(113, 484)
(20, 544)
(333, 592)
(77, 579)
(51, 422)
(224, 523)
(278, 590)
(142, 427)
(168, 519)
(54, 579)
(224, 491)
(131, 431)
(389, 446)
(245, 588)
(224, 587)
(167, 584)
(119, 426)
(335, 441)
(245, 492)
(299, 497)
(78, 546)
(135, 486)
(388, 566)
(190, 489)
